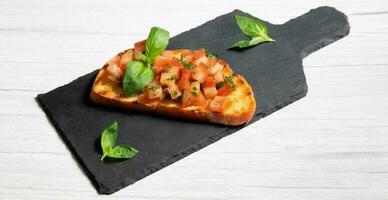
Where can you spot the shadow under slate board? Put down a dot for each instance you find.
(274, 71)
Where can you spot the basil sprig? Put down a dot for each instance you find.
(138, 73)
(109, 149)
(253, 28)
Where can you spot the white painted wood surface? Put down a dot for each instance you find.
(333, 144)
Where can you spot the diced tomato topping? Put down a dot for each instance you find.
(200, 57)
(174, 62)
(188, 57)
(155, 91)
(184, 82)
(191, 100)
(200, 100)
(197, 95)
(126, 57)
(225, 90)
(174, 91)
(218, 77)
(209, 82)
(160, 64)
(197, 82)
(140, 46)
(199, 53)
(210, 92)
(117, 61)
(167, 79)
(114, 70)
(174, 72)
(157, 69)
(216, 67)
(194, 96)
(217, 104)
(200, 73)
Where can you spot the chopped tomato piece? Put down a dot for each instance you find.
(174, 62)
(184, 82)
(160, 64)
(210, 92)
(140, 46)
(195, 86)
(114, 70)
(162, 61)
(225, 90)
(187, 99)
(194, 96)
(200, 73)
(174, 91)
(126, 57)
(200, 100)
(200, 53)
(218, 77)
(217, 104)
(174, 72)
(209, 82)
(188, 57)
(155, 91)
(117, 61)
(166, 79)
(197, 95)
(217, 67)
(200, 57)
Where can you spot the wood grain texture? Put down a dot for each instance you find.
(330, 145)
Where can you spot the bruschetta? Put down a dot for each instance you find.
(186, 84)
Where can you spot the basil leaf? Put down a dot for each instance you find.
(253, 28)
(136, 77)
(157, 41)
(108, 139)
(250, 26)
(123, 151)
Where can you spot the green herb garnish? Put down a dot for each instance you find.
(171, 78)
(210, 54)
(253, 28)
(153, 87)
(229, 80)
(139, 73)
(220, 84)
(109, 149)
(194, 93)
(185, 64)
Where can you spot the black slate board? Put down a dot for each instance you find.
(274, 70)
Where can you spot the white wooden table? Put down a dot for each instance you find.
(332, 144)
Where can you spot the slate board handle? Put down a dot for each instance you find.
(316, 29)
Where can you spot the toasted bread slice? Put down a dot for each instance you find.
(238, 107)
